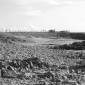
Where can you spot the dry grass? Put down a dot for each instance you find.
(52, 57)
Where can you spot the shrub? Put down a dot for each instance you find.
(73, 46)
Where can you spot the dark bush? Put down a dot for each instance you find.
(73, 46)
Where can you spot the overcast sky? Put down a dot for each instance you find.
(43, 14)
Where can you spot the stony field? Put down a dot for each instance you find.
(33, 61)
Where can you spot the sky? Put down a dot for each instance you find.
(38, 15)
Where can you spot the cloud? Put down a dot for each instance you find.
(33, 13)
(66, 3)
(39, 7)
(48, 2)
(58, 2)
(51, 2)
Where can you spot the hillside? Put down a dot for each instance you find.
(61, 34)
(37, 38)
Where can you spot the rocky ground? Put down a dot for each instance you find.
(22, 64)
